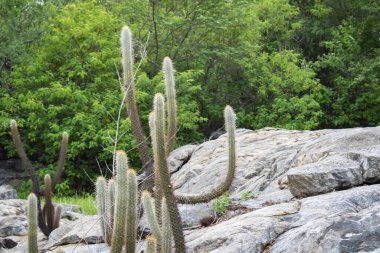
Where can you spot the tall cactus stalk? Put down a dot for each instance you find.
(110, 205)
(151, 217)
(61, 159)
(160, 161)
(101, 192)
(230, 118)
(167, 68)
(166, 243)
(121, 202)
(32, 226)
(48, 210)
(133, 114)
(131, 211)
(157, 192)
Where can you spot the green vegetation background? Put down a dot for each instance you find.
(279, 63)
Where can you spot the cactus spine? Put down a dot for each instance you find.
(131, 211)
(160, 161)
(121, 202)
(230, 118)
(129, 88)
(32, 226)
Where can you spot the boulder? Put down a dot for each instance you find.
(7, 192)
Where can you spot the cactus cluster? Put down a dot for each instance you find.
(163, 128)
(48, 217)
(117, 207)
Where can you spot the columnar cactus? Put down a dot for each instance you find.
(121, 202)
(166, 242)
(230, 118)
(46, 217)
(32, 226)
(160, 155)
(131, 211)
(101, 192)
(129, 89)
(167, 68)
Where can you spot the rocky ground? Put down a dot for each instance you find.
(295, 191)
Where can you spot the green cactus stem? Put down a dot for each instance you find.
(101, 192)
(57, 217)
(121, 202)
(32, 226)
(61, 159)
(230, 119)
(160, 161)
(166, 243)
(167, 68)
(133, 114)
(110, 205)
(48, 210)
(157, 192)
(131, 229)
(152, 219)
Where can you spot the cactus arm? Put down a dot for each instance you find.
(152, 219)
(133, 114)
(131, 227)
(171, 103)
(166, 245)
(48, 207)
(61, 159)
(110, 211)
(101, 191)
(26, 162)
(32, 226)
(57, 217)
(151, 245)
(230, 119)
(121, 202)
(157, 192)
(166, 187)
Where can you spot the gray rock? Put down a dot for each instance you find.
(12, 217)
(333, 173)
(344, 221)
(82, 248)
(86, 229)
(11, 172)
(7, 192)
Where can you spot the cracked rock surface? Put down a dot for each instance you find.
(294, 191)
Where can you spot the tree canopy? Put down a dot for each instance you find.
(280, 63)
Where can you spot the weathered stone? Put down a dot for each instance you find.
(344, 221)
(11, 172)
(82, 248)
(86, 229)
(7, 192)
(333, 173)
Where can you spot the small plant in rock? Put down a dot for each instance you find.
(221, 204)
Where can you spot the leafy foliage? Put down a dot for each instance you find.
(280, 63)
